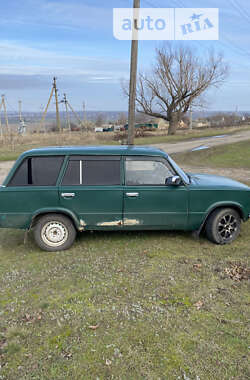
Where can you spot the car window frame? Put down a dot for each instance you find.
(147, 158)
(32, 185)
(78, 157)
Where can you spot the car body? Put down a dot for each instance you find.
(116, 188)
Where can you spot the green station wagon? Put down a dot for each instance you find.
(57, 191)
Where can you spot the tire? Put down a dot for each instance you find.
(223, 226)
(54, 232)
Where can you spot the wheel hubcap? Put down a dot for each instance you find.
(227, 227)
(54, 234)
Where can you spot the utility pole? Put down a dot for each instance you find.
(68, 106)
(65, 101)
(133, 74)
(57, 106)
(191, 118)
(5, 113)
(46, 108)
(84, 114)
(20, 110)
(54, 91)
(1, 127)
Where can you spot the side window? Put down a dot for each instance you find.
(37, 171)
(93, 172)
(146, 172)
(20, 177)
(72, 175)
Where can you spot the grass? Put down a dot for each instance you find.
(141, 305)
(226, 156)
(12, 147)
(137, 305)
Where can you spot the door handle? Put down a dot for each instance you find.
(68, 195)
(132, 195)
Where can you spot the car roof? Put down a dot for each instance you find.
(96, 150)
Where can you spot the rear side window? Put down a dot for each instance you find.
(72, 175)
(37, 171)
(93, 171)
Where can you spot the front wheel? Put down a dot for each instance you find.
(54, 232)
(223, 226)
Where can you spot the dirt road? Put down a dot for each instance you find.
(238, 174)
(242, 175)
(204, 141)
(5, 167)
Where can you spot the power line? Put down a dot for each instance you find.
(242, 11)
(10, 106)
(234, 3)
(239, 49)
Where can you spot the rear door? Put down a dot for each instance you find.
(31, 188)
(91, 188)
(148, 202)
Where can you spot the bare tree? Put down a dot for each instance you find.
(140, 117)
(177, 81)
(122, 118)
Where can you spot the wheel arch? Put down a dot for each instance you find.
(236, 206)
(39, 213)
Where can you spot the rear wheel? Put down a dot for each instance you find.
(223, 226)
(54, 232)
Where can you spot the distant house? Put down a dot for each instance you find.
(162, 124)
(183, 125)
(201, 124)
(143, 126)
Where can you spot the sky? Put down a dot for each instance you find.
(73, 40)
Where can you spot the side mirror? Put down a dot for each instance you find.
(173, 181)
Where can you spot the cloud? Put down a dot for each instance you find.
(20, 82)
(58, 14)
(19, 59)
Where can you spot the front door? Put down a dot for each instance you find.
(91, 189)
(148, 202)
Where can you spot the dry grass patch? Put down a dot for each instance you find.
(138, 305)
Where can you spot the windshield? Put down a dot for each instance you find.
(183, 175)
